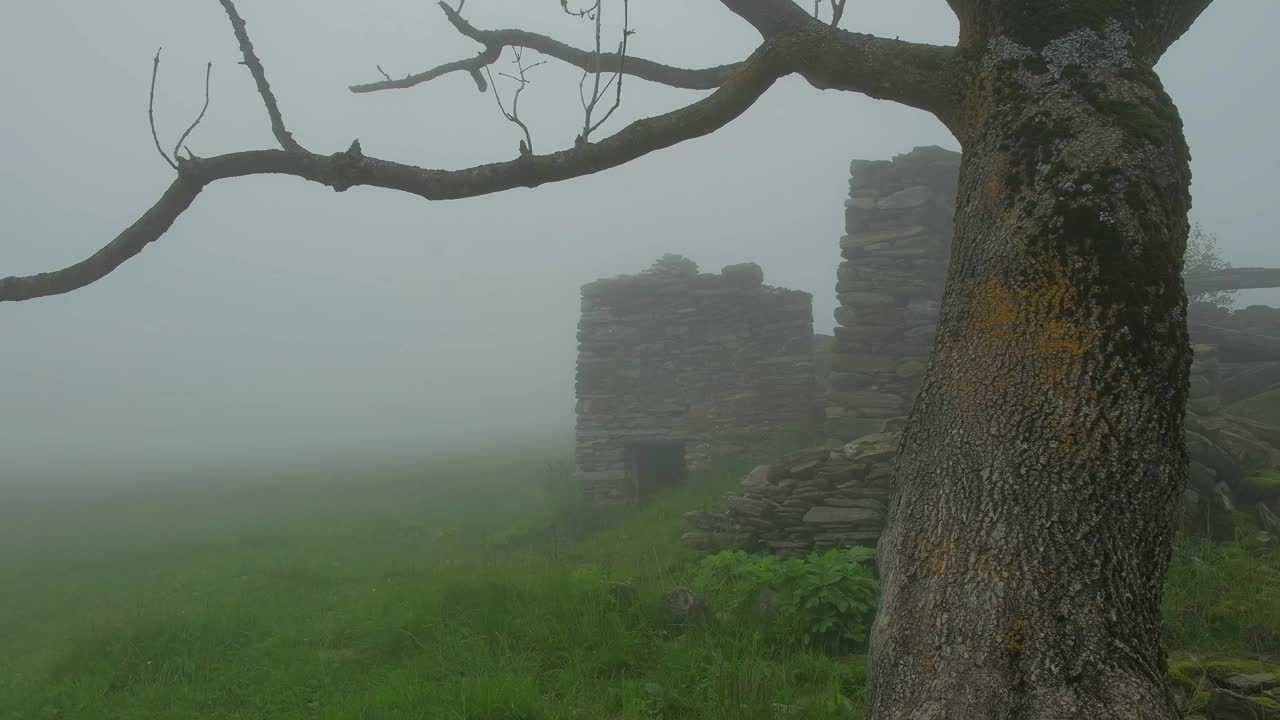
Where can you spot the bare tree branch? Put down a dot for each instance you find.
(597, 92)
(260, 77)
(585, 12)
(617, 77)
(914, 74)
(495, 40)
(351, 168)
(526, 145)
(589, 106)
(151, 111)
(208, 71)
(473, 66)
(771, 17)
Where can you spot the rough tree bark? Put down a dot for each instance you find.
(1038, 475)
(1039, 472)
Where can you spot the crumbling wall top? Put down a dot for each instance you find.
(676, 273)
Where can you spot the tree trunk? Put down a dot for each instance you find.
(1038, 476)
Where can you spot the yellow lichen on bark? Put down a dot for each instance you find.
(1016, 635)
(938, 556)
(1036, 322)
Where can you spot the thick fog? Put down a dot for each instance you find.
(279, 320)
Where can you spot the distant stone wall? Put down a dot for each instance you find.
(898, 223)
(713, 361)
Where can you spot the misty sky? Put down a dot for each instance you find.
(279, 318)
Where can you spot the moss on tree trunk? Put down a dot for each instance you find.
(1040, 473)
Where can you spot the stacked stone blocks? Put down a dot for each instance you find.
(898, 222)
(716, 362)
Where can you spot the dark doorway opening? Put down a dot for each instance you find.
(655, 467)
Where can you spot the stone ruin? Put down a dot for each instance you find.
(677, 367)
(898, 227)
(812, 500)
(898, 221)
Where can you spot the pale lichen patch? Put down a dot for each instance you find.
(1082, 47)
(1088, 48)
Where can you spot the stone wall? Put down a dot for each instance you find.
(898, 223)
(836, 497)
(809, 501)
(715, 362)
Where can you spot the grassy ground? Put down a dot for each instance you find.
(1264, 407)
(458, 590)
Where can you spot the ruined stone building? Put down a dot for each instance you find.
(897, 242)
(676, 367)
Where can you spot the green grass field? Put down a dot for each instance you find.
(460, 589)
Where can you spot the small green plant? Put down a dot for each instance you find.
(835, 596)
(827, 599)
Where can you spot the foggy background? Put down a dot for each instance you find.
(279, 321)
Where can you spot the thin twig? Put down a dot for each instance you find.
(208, 71)
(494, 41)
(260, 77)
(590, 107)
(151, 111)
(526, 146)
(598, 92)
(585, 12)
(384, 74)
(622, 61)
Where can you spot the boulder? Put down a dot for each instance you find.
(686, 607)
(1249, 683)
(1227, 705)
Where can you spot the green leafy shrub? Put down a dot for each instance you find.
(827, 599)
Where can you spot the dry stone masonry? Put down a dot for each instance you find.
(676, 367)
(898, 224)
(810, 501)
(898, 220)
